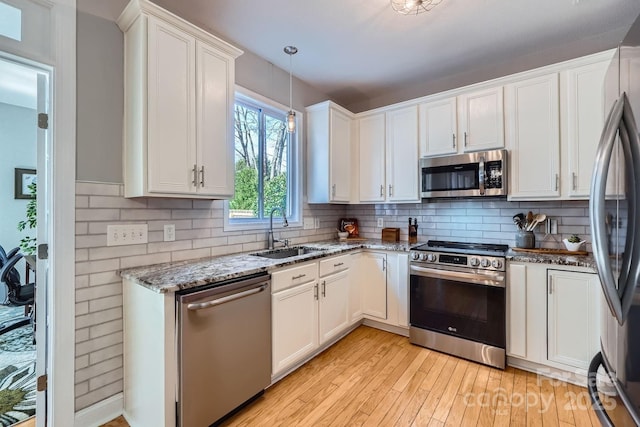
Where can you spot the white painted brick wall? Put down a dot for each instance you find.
(199, 234)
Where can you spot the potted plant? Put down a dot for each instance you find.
(28, 243)
(573, 243)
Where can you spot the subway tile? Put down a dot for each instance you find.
(107, 277)
(144, 214)
(136, 261)
(105, 329)
(81, 388)
(116, 202)
(210, 242)
(97, 189)
(97, 344)
(82, 255)
(190, 254)
(105, 379)
(98, 368)
(161, 203)
(91, 241)
(82, 361)
(82, 281)
(97, 214)
(98, 317)
(82, 335)
(81, 228)
(483, 212)
(207, 223)
(105, 303)
(182, 224)
(116, 251)
(88, 267)
(190, 214)
(82, 308)
(178, 245)
(201, 233)
(82, 202)
(229, 249)
(105, 353)
(94, 292)
(86, 400)
(242, 239)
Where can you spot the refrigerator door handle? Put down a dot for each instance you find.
(597, 212)
(592, 386)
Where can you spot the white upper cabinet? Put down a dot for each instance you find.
(371, 149)
(585, 112)
(438, 127)
(329, 153)
(402, 155)
(179, 94)
(533, 137)
(481, 119)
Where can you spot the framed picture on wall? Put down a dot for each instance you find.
(23, 178)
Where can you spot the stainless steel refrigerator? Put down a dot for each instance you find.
(615, 230)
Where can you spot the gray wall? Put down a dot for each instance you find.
(100, 95)
(18, 148)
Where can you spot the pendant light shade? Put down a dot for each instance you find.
(291, 115)
(413, 7)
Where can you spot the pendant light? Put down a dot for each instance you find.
(413, 7)
(291, 115)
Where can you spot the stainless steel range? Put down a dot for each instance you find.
(457, 300)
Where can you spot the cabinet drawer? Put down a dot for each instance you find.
(293, 276)
(333, 265)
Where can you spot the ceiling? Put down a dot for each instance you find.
(355, 50)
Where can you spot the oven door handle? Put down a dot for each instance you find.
(495, 279)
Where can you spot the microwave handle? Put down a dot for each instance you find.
(481, 176)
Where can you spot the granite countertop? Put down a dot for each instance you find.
(557, 259)
(176, 276)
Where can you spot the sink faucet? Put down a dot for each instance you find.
(270, 239)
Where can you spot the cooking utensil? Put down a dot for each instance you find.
(539, 218)
(518, 220)
(529, 219)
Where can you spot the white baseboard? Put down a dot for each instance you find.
(100, 413)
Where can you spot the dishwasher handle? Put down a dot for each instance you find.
(228, 298)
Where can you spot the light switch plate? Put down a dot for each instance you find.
(309, 223)
(169, 232)
(380, 223)
(127, 234)
(317, 222)
(553, 226)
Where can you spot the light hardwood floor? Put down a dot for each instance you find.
(375, 378)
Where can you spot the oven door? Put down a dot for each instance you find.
(468, 305)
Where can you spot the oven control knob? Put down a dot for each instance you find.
(474, 262)
(414, 255)
(496, 263)
(431, 257)
(485, 262)
(423, 257)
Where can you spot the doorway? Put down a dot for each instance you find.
(24, 169)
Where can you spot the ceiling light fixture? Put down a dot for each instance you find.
(413, 7)
(291, 115)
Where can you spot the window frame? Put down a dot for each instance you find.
(294, 167)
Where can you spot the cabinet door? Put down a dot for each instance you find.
(438, 128)
(398, 289)
(585, 112)
(534, 137)
(214, 117)
(171, 150)
(517, 311)
(355, 288)
(481, 120)
(340, 156)
(334, 305)
(572, 323)
(402, 155)
(372, 159)
(374, 284)
(295, 324)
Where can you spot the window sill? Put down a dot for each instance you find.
(260, 225)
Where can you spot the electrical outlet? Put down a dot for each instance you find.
(309, 223)
(317, 222)
(169, 232)
(127, 234)
(380, 222)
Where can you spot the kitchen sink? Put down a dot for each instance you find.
(286, 252)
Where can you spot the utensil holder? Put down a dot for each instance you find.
(525, 239)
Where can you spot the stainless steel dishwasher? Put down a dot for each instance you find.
(224, 348)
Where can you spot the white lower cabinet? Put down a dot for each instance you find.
(373, 280)
(334, 305)
(294, 333)
(552, 317)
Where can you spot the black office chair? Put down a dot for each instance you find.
(16, 294)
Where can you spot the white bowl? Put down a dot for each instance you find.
(572, 246)
(343, 235)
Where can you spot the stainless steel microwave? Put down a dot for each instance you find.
(481, 174)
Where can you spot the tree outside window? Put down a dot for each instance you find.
(262, 152)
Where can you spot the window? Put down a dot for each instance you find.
(10, 22)
(265, 165)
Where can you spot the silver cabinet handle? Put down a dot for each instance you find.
(299, 276)
(390, 190)
(557, 181)
(202, 176)
(229, 298)
(481, 176)
(195, 175)
(333, 190)
(454, 140)
(550, 286)
(384, 264)
(315, 291)
(324, 288)
(338, 264)
(465, 139)
(574, 180)
(381, 190)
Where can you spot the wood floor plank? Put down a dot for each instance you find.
(374, 378)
